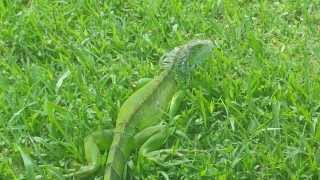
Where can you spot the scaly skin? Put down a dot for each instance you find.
(136, 124)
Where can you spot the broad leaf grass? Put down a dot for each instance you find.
(252, 110)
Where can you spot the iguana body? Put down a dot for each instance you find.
(137, 124)
(141, 110)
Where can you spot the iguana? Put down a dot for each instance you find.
(138, 125)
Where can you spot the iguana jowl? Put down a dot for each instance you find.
(138, 125)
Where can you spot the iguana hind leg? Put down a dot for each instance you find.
(93, 144)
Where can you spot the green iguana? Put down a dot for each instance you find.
(138, 125)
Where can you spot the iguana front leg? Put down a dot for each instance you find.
(155, 141)
(155, 137)
(93, 145)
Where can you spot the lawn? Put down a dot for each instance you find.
(252, 111)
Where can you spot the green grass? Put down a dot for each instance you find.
(252, 112)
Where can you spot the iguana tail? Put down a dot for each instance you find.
(118, 156)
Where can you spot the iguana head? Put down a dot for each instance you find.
(184, 58)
